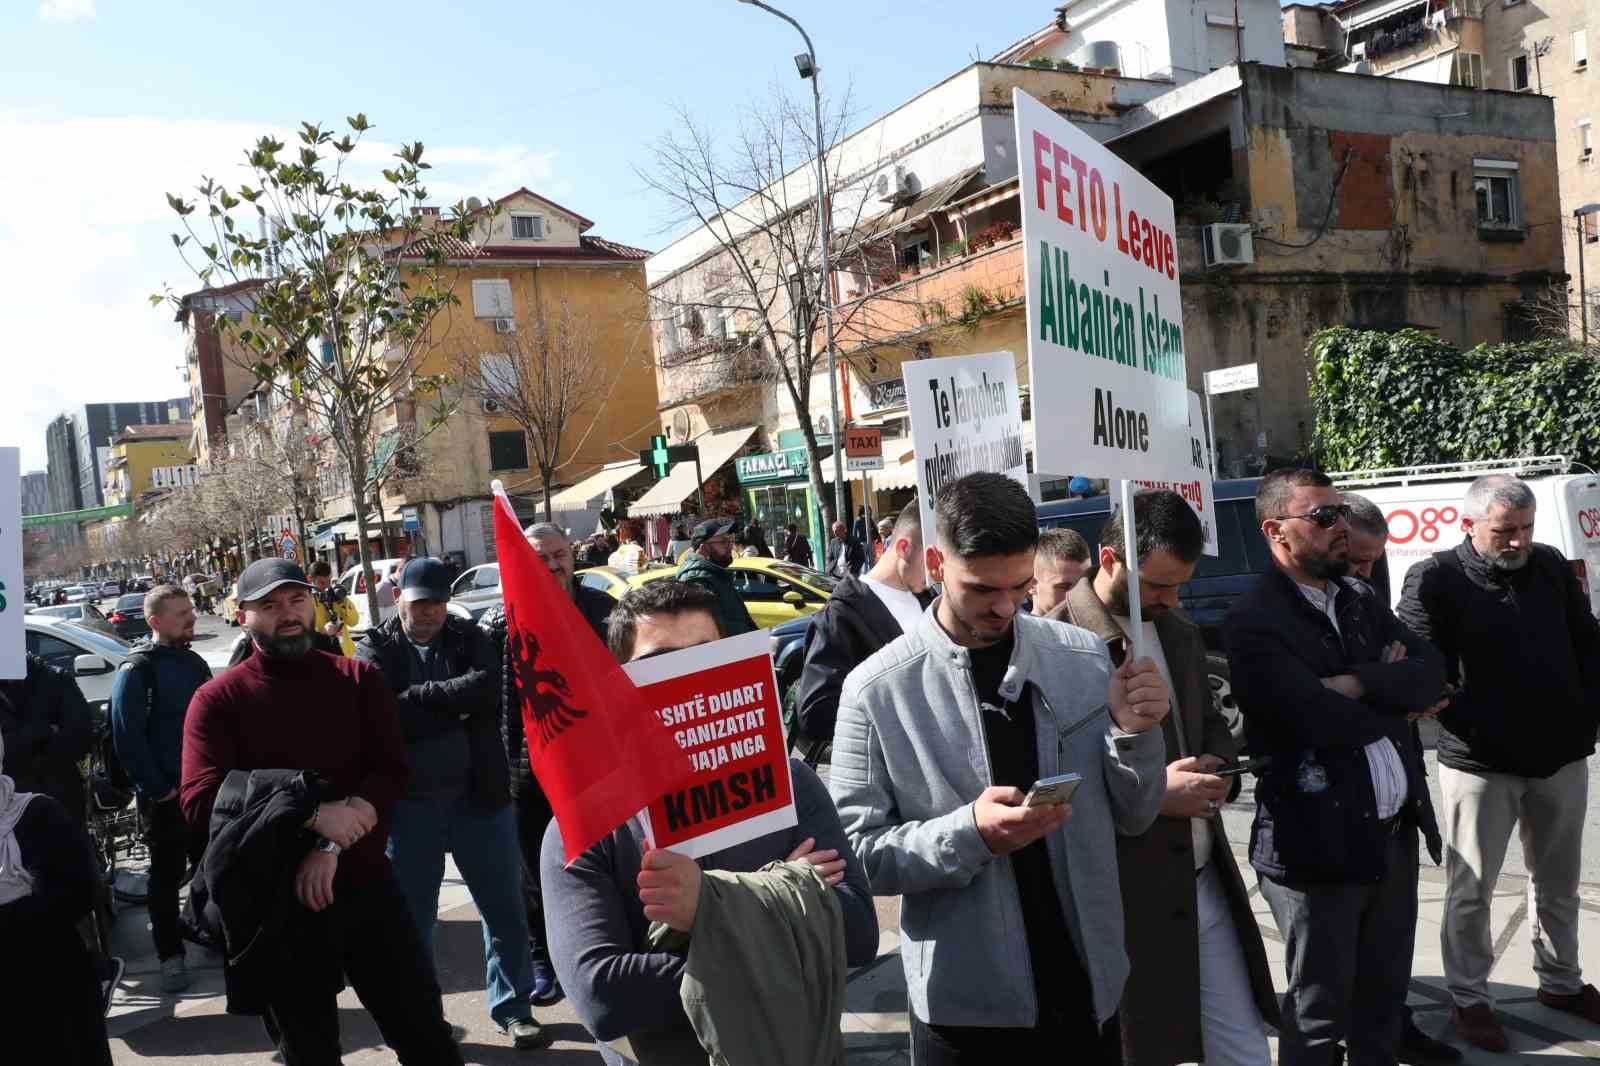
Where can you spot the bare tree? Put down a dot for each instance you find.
(754, 195)
(551, 379)
(1557, 314)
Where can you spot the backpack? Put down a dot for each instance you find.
(111, 779)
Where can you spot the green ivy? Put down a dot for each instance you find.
(1408, 398)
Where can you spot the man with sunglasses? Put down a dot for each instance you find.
(1327, 678)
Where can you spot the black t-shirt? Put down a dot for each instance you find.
(1065, 999)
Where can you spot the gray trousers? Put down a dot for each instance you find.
(1348, 948)
(1479, 811)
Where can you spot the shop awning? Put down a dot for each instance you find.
(594, 487)
(346, 530)
(670, 492)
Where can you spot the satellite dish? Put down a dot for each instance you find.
(474, 204)
(824, 426)
(680, 424)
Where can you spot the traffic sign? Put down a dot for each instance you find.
(863, 448)
(410, 520)
(1232, 379)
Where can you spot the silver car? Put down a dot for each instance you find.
(86, 614)
(477, 590)
(90, 655)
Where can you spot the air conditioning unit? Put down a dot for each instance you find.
(1358, 52)
(505, 325)
(896, 187)
(824, 426)
(1228, 244)
(492, 407)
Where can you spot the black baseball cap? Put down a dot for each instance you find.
(713, 527)
(424, 579)
(264, 575)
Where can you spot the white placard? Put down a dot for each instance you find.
(1196, 485)
(13, 661)
(1232, 379)
(1105, 317)
(965, 417)
(863, 462)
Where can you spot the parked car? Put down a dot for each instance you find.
(477, 590)
(82, 593)
(86, 614)
(127, 617)
(109, 589)
(355, 584)
(91, 655)
(789, 651)
(774, 592)
(1218, 580)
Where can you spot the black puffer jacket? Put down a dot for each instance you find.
(595, 606)
(1524, 651)
(450, 725)
(48, 730)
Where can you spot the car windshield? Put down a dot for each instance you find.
(102, 642)
(813, 578)
(131, 600)
(70, 611)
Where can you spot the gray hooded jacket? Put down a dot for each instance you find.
(909, 759)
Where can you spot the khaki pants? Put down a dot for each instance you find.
(1479, 811)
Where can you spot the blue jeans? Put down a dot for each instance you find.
(485, 846)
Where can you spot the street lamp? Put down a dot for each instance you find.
(806, 64)
(1583, 289)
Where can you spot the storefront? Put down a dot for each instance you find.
(777, 492)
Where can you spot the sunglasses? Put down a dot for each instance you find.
(1325, 517)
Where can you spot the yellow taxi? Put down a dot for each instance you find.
(774, 592)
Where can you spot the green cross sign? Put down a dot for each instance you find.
(657, 457)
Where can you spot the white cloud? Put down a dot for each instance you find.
(86, 228)
(66, 10)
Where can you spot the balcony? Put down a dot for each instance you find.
(710, 368)
(959, 291)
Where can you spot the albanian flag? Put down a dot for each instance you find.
(599, 753)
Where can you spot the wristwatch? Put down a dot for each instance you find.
(328, 847)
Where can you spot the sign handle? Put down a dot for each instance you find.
(1130, 552)
(1211, 439)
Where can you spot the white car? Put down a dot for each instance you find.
(477, 590)
(85, 614)
(82, 593)
(91, 655)
(356, 586)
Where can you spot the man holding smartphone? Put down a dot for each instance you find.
(1200, 987)
(1011, 922)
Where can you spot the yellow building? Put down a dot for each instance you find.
(538, 293)
(148, 459)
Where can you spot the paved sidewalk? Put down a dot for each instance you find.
(148, 1028)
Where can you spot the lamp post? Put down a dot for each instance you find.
(1583, 289)
(806, 63)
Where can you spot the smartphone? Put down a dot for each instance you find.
(1239, 769)
(1048, 790)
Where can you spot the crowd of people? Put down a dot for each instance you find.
(1039, 781)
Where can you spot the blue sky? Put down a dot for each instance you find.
(107, 104)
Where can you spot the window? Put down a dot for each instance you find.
(1519, 73)
(491, 298)
(1580, 49)
(1520, 323)
(508, 450)
(1591, 228)
(1494, 187)
(527, 228)
(1585, 140)
(56, 652)
(1468, 70)
(498, 374)
(487, 577)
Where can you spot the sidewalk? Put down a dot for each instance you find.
(152, 1030)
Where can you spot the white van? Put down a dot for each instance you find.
(1423, 506)
(355, 586)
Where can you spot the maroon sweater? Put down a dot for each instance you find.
(325, 713)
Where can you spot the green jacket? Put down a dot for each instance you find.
(718, 580)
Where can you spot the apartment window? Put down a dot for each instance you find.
(508, 450)
(1591, 228)
(1519, 73)
(1494, 186)
(1580, 49)
(498, 375)
(527, 227)
(1585, 140)
(1468, 70)
(491, 298)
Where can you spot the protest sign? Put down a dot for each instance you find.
(965, 417)
(1105, 318)
(13, 663)
(1195, 486)
(720, 702)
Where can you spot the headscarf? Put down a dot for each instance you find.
(15, 881)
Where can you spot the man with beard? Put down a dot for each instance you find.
(1011, 918)
(1199, 988)
(289, 707)
(1369, 536)
(1524, 652)
(707, 566)
(550, 543)
(1326, 677)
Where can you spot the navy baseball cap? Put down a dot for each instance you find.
(265, 575)
(713, 527)
(424, 579)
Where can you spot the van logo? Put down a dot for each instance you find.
(1406, 526)
(1589, 522)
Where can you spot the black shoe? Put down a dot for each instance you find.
(1419, 1049)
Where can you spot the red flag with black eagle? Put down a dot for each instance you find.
(599, 753)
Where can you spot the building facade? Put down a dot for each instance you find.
(36, 492)
(215, 366)
(146, 459)
(96, 425)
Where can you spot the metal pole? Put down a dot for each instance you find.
(1211, 426)
(1583, 288)
(700, 485)
(840, 489)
